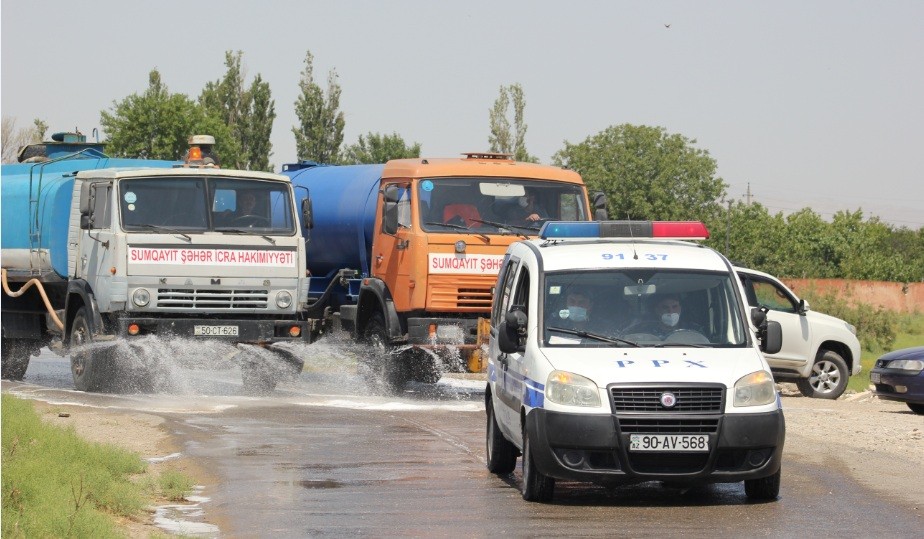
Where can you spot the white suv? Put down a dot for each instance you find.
(819, 352)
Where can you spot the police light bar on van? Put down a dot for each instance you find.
(674, 230)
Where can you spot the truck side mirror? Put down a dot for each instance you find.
(600, 213)
(512, 330)
(85, 198)
(390, 212)
(307, 214)
(803, 307)
(85, 221)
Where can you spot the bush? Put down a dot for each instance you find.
(876, 326)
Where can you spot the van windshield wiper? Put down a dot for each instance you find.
(460, 227)
(167, 229)
(595, 336)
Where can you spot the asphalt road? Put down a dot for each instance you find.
(327, 455)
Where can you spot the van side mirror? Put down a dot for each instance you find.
(599, 201)
(307, 213)
(512, 330)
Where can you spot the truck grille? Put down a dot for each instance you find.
(696, 399)
(174, 298)
(460, 292)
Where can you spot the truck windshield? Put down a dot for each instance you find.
(645, 308)
(195, 204)
(496, 205)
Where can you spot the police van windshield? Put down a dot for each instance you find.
(192, 204)
(496, 205)
(643, 308)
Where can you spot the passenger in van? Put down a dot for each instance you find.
(578, 313)
(666, 317)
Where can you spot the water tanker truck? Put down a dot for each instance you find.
(405, 255)
(98, 252)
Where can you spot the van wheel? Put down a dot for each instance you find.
(537, 487)
(384, 366)
(87, 364)
(501, 454)
(828, 378)
(15, 358)
(765, 488)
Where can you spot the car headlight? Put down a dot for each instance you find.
(571, 390)
(141, 297)
(283, 299)
(915, 365)
(755, 389)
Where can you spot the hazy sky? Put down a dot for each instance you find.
(817, 104)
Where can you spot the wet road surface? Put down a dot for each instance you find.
(327, 455)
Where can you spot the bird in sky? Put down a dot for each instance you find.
(667, 25)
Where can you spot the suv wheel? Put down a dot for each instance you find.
(828, 378)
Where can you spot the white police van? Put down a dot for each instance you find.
(620, 355)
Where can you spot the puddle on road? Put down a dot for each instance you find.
(183, 519)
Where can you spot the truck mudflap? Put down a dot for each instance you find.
(232, 330)
(468, 336)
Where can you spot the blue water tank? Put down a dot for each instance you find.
(344, 203)
(36, 202)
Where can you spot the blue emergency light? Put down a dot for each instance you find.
(681, 230)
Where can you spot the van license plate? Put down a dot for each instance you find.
(215, 331)
(669, 442)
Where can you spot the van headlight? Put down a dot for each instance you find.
(755, 389)
(283, 299)
(571, 390)
(141, 297)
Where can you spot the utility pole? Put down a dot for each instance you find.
(748, 194)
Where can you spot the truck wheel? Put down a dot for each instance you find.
(16, 353)
(257, 379)
(84, 363)
(828, 378)
(422, 367)
(501, 454)
(385, 366)
(537, 487)
(765, 488)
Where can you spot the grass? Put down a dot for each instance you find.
(57, 485)
(910, 333)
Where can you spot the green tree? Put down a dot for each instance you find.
(320, 131)
(501, 139)
(248, 113)
(647, 173)
(157, 124)
(378, 148)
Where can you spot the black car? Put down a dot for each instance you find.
(899, 376)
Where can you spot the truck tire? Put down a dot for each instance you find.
(537, 487)
(15, 361)
(501, 454)
(86, 365)
(383, 365)
(828, 378)
(422, 367)
(765, 488)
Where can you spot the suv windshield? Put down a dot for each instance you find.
(493, 206)
(195, 204)
(646, 308)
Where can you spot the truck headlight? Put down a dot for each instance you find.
(571, 389)
(755, 389)
(141, 297)
(283, 299)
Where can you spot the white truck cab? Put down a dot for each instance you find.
(619, 355)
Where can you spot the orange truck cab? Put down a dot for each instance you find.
(404, 255)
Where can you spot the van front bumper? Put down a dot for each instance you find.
(594, 448)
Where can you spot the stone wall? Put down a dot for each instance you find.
(900, 297)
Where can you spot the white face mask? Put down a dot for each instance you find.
(578, 314)
(670, 319)
(523, 202)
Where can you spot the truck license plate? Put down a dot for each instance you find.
(215, 331)
(669, 442)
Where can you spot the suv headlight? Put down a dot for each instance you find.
(141, 297)
(283, 299)
(755, 389)
(571, 389)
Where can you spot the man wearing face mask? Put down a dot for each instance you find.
(528, 208)
(667, 311)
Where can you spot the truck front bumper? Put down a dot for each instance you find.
(593, 448)
(229, 330)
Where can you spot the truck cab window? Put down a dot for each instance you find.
(102, 215)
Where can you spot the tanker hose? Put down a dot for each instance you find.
(41, 290)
